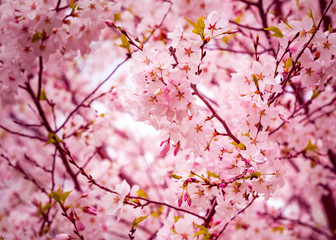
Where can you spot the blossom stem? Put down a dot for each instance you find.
(241, 211)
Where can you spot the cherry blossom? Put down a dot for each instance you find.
(167, 119)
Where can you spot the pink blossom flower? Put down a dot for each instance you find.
(117, 201)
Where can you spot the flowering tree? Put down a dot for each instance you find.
(167, 119)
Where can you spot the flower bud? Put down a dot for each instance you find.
(90, 210)
(80, 225)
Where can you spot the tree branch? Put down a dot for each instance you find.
(214, 113)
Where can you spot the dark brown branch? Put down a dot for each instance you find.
(69, 170)
(211, 213)
(240, 212)
(214, 113)
(93, 92)
(49, 129)
(236, 51)
(26, 175)
(327, 19)
(298, 222)
(247, 27)
(328, 203)
(249, 3)
(36, 164)
(23, 135)
(38, 106)
(319, 109)
(161, 22)
(40, 78)
(332, 158)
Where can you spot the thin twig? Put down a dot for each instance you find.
(89, 95)
(22, 134)
(214, 113)
(299, 222)
(241, 211)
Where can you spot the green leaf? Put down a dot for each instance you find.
(310, 147)
(138, 220)
(277, 32)
(278, 229)
(56, 195)
(203, 228)
(65, 195)
(203, 231)
(198, 26)
(46, 207)
(192, 23)
(310, 15)
(240, 145)
(43, 96)
(175, 176)
(287, 24)
(199, 233)
(239, 17)
(124, 43)
(253, 175)
(315, 94)
(158, 212)
(211, 174)
(330, 30)
(142, 193)
(176, 218)
(255, 80)
(37, 36)
(117, 17)
(43, 209)
(72, 5)
(289, 63)
(53, 138)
